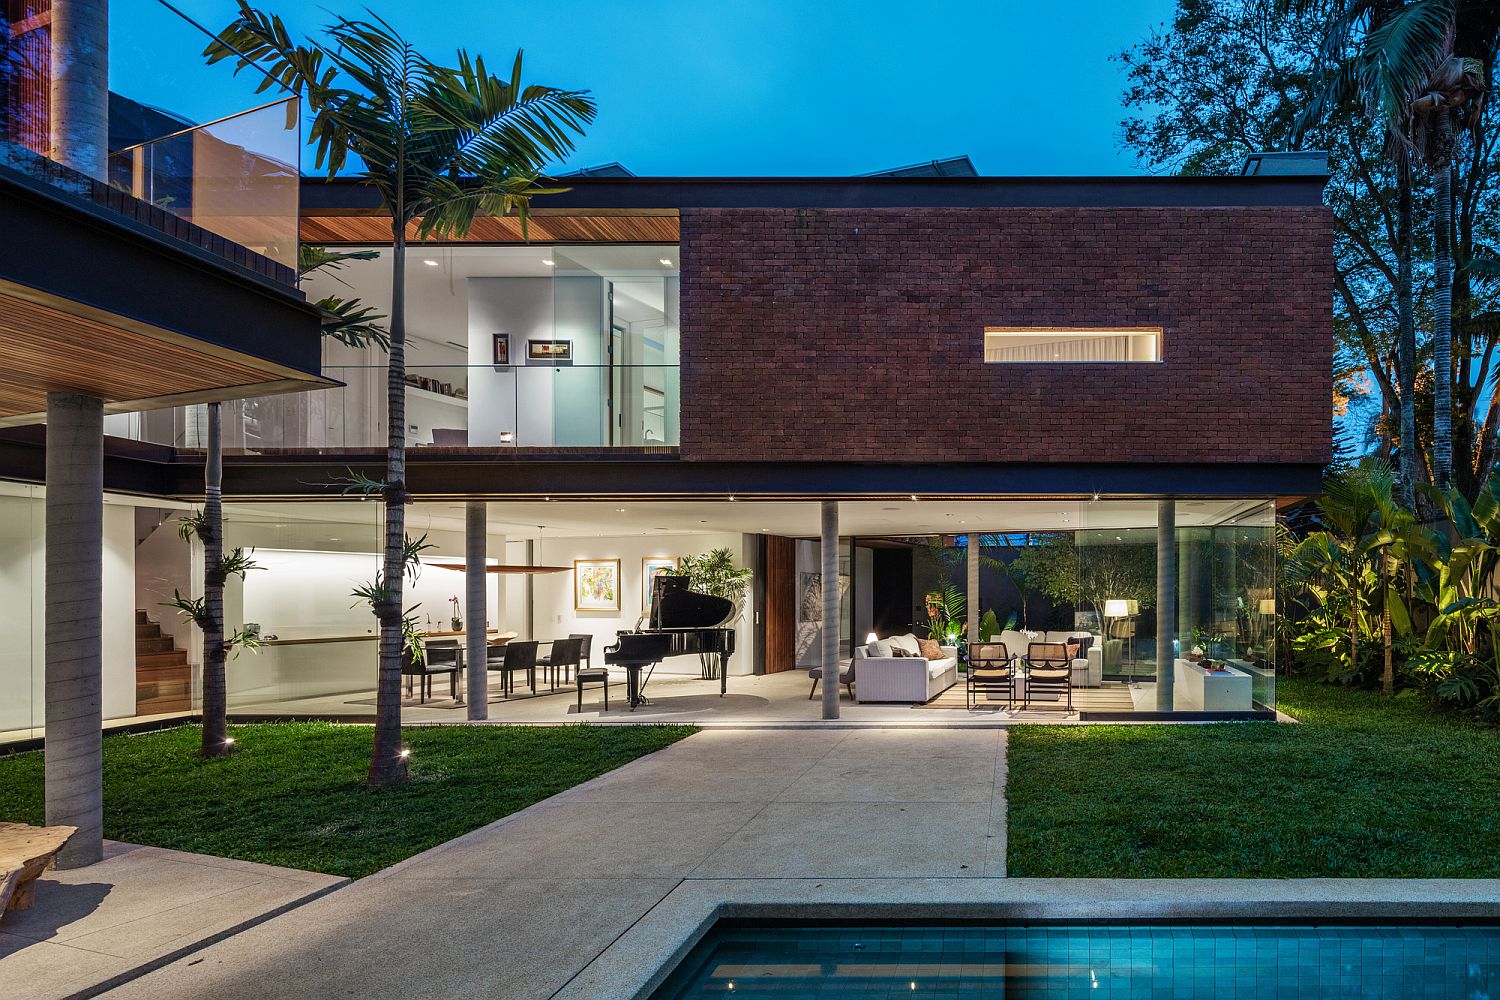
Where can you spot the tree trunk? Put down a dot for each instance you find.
(1388, 674)
(73, 759)
(1353, 622)
(215, 728)
(1406, 337)
(1442, 310)
(387, 761)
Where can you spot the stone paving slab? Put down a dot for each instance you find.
(518, 908)
(139, 906)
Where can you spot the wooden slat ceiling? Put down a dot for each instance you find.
(326, 229)
(49, 349)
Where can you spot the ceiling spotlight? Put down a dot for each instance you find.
(430, 262)
(664, 262)
(549, 261)
(620, 510)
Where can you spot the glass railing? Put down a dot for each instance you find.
(236, 177)
(474, 406)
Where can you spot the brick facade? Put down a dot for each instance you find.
(857, 334)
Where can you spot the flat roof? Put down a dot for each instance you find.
(668, 195)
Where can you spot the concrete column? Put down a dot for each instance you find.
(830, 633)
(1166, 600)
(476, 592)
(971, 599)
(80, 85)
(74, 755)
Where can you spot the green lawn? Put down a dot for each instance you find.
(1364, 787)
(293, 793)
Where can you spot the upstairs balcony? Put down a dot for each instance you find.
(536, 406)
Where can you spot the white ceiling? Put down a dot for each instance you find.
(572, 519)
(437, 307)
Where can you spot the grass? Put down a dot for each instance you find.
(293, 793)
(1364, 787)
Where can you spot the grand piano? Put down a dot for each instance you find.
(682, 622)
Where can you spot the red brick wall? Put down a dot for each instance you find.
(857, 334)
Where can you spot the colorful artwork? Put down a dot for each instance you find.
(651, 568)
(549, 350)
(596, 585)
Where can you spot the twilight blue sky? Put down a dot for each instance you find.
(745, 87)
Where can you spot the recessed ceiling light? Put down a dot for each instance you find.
(430, 262)
(665, 262)
(549, 261)
(620, 510)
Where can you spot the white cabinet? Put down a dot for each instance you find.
(1197, 690)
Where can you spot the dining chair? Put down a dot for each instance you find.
(563, 659)
(512, 657)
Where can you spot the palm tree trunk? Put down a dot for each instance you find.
(215, 727)
(387, 763)
(1442, 313)
(1388, 674)
(1406, 337)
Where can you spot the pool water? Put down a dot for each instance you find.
(1094, 961)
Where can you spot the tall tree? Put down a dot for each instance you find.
(440, 145)
(1446, 106)
(1228, 77)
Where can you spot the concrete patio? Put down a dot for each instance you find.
(521, 907)
(139, 906)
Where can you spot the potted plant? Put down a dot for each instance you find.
(457, 620)
(715, 573)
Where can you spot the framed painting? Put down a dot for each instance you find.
(596, 585)
(502, 349)
(549, 350)
(651, 568)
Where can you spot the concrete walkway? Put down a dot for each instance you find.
(517, 909)
(138, 906)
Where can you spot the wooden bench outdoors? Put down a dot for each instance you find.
(26, 852)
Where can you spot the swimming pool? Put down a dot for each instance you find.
(813, 961)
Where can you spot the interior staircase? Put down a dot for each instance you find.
(163, 677)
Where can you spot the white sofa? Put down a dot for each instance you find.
(909, 679)
(1088, 671)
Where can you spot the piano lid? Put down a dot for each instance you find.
(673, 605)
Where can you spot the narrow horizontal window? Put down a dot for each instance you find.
(1010, 345)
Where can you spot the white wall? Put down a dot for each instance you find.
(522, 308)
(556, 618)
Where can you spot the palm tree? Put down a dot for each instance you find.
(1448, 102)
(1380, 73)
(440, 145)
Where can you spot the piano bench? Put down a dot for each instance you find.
(592, 674)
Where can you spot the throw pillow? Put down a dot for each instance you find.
(897, 651)
(1075, 650)
(878, 649)
(929, 649)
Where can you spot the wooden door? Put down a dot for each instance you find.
(781, 609)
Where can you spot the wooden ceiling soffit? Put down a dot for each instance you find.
(56, 345)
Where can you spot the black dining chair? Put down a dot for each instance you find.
(562, 659)
(510, 658)
(440, 656)
(585, 658)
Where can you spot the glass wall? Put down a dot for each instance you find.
(535, 347)
(172, 131)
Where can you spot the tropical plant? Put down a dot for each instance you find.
(989, 625)
(715, 573)
(440, 145)
(947, 610)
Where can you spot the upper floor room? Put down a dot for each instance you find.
(891, 318)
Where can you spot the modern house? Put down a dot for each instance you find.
(1122, 375)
